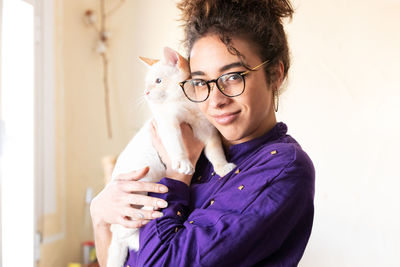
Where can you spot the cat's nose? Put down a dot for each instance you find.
(146, 92)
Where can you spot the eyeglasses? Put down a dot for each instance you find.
(229, 84)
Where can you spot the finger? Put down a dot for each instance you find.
(140, 186)
(147, 201)
(187, 130)
(126, 222)
(141, 214)
(188, 134)
(154, 124)
(153, 133)
(133, 175)
(152, 127)
(186, 126)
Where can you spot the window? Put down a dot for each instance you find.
(17, 139)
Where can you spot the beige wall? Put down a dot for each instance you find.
(341, 105)
(138, 29)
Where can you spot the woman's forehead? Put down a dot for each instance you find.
(210, 54)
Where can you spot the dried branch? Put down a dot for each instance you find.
(116, 7)
(90, 19)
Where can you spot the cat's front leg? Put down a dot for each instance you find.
(171, 137)
(215, 154)
(118, 248)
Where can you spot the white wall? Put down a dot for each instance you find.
(342, 104)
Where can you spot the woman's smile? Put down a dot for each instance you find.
(226, 118)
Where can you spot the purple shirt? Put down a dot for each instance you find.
(260, 214)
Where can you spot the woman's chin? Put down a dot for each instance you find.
(230, 137)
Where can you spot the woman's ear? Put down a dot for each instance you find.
(277, 74)
(280, 73)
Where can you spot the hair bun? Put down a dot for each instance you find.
(192, 8)
(280, 8)
(260, 21)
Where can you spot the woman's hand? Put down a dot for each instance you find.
(193, 147)
(118, 203)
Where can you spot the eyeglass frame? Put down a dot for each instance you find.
(241, 73)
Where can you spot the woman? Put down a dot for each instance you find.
(261, 214)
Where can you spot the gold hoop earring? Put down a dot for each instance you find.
(276, 102)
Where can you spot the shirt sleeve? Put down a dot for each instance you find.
(221, 237)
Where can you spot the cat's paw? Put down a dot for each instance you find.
(183, 166)
(223, 170)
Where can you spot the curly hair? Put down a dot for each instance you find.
(258, 21)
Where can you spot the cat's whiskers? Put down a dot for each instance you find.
(140, 101)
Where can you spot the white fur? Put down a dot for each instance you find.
(170, 108)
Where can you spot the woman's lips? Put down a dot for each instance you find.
(226, 118)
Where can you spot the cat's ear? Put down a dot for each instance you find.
(148, 61)
(174, 58)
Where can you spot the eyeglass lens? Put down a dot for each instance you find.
(231, 84)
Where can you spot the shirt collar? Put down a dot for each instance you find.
(241, 150)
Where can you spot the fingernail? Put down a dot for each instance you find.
(157, 214)
(144, 222)
(163, 188)
(162, 204)
(139, 216)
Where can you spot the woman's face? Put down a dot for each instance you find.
(241, 118)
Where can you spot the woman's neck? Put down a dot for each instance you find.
(266, 126)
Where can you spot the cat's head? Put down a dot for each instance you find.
(163, 77)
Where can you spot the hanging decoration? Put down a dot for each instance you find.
(100, 26)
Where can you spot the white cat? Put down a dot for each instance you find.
(170, 108)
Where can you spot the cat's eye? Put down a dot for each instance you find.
(158, 80)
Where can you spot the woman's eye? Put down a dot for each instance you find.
(233, 77)
(158, 80)
(198, 83)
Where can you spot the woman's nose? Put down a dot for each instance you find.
(216, 98)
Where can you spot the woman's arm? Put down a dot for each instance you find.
(271, 214)
(102, 239)
(218, 235)
(118, 204)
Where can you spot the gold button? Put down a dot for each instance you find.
(176, 229)
(191, 222)
(273, 152)
(241, 187)
(199, 178)
(237, 171)
(212, 201)
(179, 213)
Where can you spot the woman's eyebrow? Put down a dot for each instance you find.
(222, 69)
(230, 66)
(197, 73)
